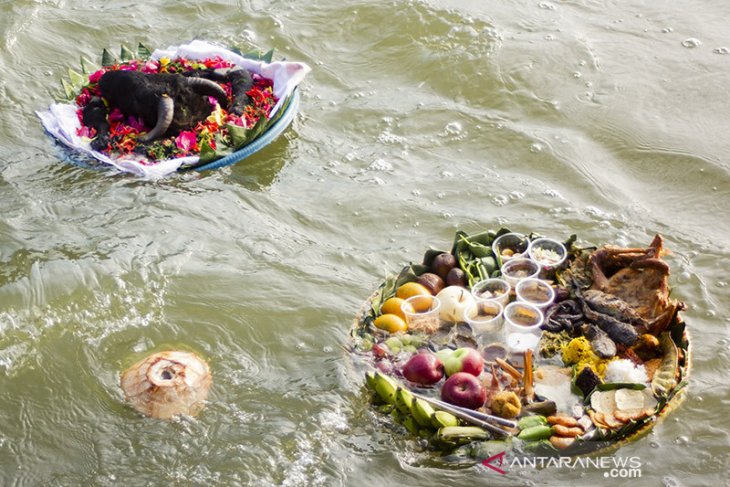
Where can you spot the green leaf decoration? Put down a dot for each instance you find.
(257, 129)
(143, 52)
(255, 55)
(126, 54)
(88, 66)
(207, 153)
(107, 58)
(238, 135)
(77, 79)
(268, 56)
(67, 89)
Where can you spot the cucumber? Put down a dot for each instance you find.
(536, 433)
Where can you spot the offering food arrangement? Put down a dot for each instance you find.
(526, 343)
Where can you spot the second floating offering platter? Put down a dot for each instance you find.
(528, 344)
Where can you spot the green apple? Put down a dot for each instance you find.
(464, 359)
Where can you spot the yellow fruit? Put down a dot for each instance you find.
(393, 306)
(412, 289)
(390, 323)
(421, 304)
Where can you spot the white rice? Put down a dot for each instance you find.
(625, 371)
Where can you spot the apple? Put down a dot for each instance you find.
(454, 301)
(444, 354)
(380, 350)
(423, 368)
(465, 390)
(464, 359)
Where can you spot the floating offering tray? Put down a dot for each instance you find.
(520, 343)
(197, 106)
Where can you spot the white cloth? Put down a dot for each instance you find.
(61, 121)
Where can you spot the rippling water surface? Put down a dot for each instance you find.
(604, 118)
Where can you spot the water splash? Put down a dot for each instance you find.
(691, 43)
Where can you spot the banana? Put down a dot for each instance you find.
(396, 415)
(403, 400)
(422, 412)
(385, 408)
(442, 419)
(460, 434)
(385, 387)
(410, 425)
(370, 381)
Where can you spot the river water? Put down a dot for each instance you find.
(608, 119)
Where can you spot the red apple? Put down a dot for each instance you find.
(465, 390)
(464, 359)
(380, 350)
(423, 368)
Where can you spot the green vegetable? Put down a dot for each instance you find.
(531, 421)
(535, 433)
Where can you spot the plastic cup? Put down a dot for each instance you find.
(516, 270)
(517, 244)
(492, 290)
(536, 292)
(484, 316)
(422, 313)
(548, 253)
(522, 326)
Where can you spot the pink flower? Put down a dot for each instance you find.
(136, 124)
(131, 66)
(151, 67)
(186, 141)
(85, 131)
(83, 98)
(96, 76)
(116, 116)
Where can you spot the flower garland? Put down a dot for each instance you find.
(208, 139)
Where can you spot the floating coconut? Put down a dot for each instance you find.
(167, 384)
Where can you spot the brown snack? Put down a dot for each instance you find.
(567, 421)
(560, 442)
(567, 432)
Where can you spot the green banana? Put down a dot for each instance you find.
(396, 415)
(410, 423)
(442, 419)
(530, 421)
(385, 408)
(460, 434)
(370, 380)
(385, 387)
(403, 400)
(422, 412)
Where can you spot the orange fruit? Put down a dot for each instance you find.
(393, 306)
(412, 289)
(390, 323)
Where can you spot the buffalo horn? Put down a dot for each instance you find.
(165, 110)
(207, 87)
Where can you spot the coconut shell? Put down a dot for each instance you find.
(167, 384)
